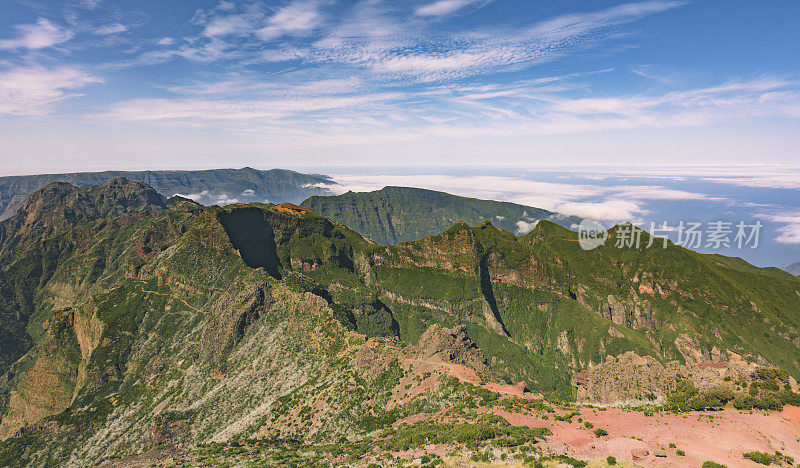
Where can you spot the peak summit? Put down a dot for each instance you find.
(62, 204)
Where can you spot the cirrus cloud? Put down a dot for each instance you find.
(39, 35)
(34, 91)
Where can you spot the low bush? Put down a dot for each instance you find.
(759, 457)
(710, 464)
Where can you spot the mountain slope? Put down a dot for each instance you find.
(208, 187)
(399, 214)
(167, 326)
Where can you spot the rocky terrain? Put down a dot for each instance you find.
(139, 329)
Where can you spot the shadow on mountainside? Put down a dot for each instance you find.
(250, 233)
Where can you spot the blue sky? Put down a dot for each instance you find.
(90, 84)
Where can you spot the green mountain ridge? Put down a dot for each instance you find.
(208, 187)
(399, 214)
(134, 323)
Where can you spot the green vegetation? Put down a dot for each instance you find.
(399, 214)
(711, 464)
(768, 459)
(611, 460)
(687, 398)
(471, 435)
(760, 457)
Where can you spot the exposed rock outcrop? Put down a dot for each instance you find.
(453, 345)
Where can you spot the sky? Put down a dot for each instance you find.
(101, 84)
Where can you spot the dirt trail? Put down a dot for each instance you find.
(174, 296)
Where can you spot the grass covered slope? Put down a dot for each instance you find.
(208, 187)
(399, 214)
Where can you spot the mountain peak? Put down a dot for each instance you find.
(60, 204)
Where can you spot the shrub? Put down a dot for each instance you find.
(744, 402)
(680, 453)
(611, 460)
(760, 457)
(600, 432)
(710, 464)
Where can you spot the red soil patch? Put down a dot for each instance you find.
(722, 439)
(792, 413)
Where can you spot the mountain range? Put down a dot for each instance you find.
(133, 323)
(208, 187)
(399, 214)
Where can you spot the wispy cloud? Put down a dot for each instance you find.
(582, 23)
(417, 55)
(296, 18)
(35, 91)
(789, 233)
(446, 7)
(109, 29)
(38, 35)
(269, 110)
(547, 106)
(373, 37)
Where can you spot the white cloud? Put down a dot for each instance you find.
(790, 232)
(617, 210)
(34, 91)
(111, 29)
(296, 18)
(578, 24)
(89, 4)
(37, 36)
(193, 196)
(444, 7)
(270, 110)
(372, 36)
(656, 192)
(787, 179)
(524, 227)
